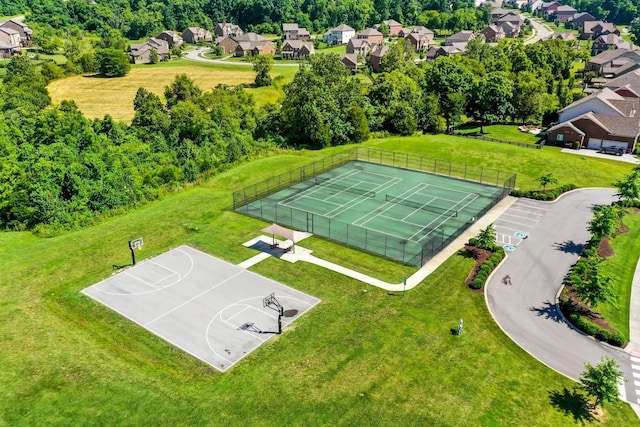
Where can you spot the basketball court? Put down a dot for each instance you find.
(213, 310)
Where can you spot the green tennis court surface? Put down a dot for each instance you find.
(403, 214)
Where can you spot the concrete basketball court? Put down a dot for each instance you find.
(207, 307)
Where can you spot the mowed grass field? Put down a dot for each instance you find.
(97, 96)
(361, 357)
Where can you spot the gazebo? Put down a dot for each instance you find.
(287, 233)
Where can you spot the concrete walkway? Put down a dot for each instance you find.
(265, 245)
(634, 315)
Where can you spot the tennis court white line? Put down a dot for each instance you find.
(388, 205)
(446, 219)
(194, 298)
(360, 199)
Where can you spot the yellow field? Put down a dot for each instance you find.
(96, 96)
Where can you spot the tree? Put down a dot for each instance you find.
(606, 221)
(487, 237)
(491, 100)
(112, 62)
(182, 89)
(629, 187)
(154, 58)
(601, 380)
(262, 65)
(590, 282)
(546, 179)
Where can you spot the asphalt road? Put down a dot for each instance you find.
(526, 310)
(542, 31)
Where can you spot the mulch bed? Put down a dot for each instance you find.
(480, 256)
(604, 249)
(570, 303)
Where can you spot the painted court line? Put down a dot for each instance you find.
(193, 298)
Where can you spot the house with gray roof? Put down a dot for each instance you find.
(294, 32)
(393, 26)
(606, 61)
(607, 42)
(196, 35)
(171, 37)
(224, 29)
(142, 53)
(296, 49)
(594, 29)
(23, 30)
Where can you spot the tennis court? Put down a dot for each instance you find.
(403, 214)
(203, 305)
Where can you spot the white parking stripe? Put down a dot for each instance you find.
(526, 210)
(635, 367)
(635, 359)
(524, 205)
(636, 375)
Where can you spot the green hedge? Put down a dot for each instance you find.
(487, 266)
(539, 195)
(627, 203)
(596, 331)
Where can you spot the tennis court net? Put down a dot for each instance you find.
(327, 182)
(418, 205)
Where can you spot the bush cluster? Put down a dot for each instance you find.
(596, 331)
(487, 267)
(627, 203)
(540, 195)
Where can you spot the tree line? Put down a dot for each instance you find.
(60, 170)
(324, 105)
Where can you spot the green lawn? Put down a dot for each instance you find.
(504, 132)
(361, 357)
(621, 268)
(339, 49)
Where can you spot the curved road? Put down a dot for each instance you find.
(542, 31)
(195, 55)
(526, 310)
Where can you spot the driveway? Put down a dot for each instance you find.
(542, 32)
(526, 309)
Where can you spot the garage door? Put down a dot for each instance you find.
(594, 143)
(608, 143)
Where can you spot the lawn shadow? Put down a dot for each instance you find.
(572, 403)
(570, 247)
(550, 311)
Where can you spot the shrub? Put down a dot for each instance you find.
(477, 283)
(473, 241)
(596, 331)
(539, 195)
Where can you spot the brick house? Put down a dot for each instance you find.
(196, 35)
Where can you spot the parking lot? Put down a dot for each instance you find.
(515, 225)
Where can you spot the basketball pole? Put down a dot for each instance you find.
(280, 314)
(133, 255)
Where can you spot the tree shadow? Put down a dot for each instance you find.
(570, 247)
(549, 310)
(572, 403)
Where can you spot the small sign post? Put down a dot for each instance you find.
(404, 286)
(459, 331)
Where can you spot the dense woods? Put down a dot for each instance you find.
(59, 169)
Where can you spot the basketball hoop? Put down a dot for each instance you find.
(135, 244)
(272, 302)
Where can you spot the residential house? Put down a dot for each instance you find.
(297, 49)
(252, 44)
(596, 131)
(594, 29)
(361, 47)
(510, 31)
(393, 26)
(10, 36)
(228, 44)
(224, 29)
(566, 36)
(532, 5)
(579, 19)
(171, 37)
(326, 37)
(461, 39)
(371, 35)
(564, 13)
(25, 33)
(627, 85)
(7, 50)
(293, 32)
(609, 41)
(606, 62)
(421, 41)
(435, 52)
(142, 53)
(513, 18)
(375, 59)
(418, 29)
(350, 60)
(493, 33)
(196, 35)
(547, 8)
(603, 119)
(497, 13)
(341, 34)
